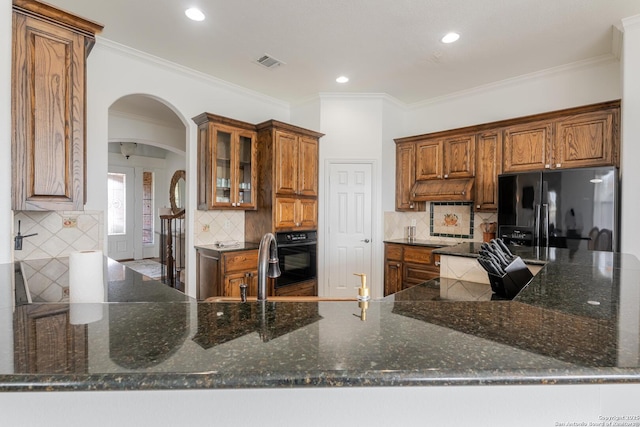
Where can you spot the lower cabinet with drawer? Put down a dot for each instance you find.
(220, 273)
(408, 265)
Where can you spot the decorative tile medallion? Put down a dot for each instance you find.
(451, 219)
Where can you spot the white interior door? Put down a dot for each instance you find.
(349, 244)
(120, 212)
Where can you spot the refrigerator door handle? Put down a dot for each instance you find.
(536, 226)
(545, 224)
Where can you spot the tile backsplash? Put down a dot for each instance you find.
(58, 233)
(214, 226)
(395, 224)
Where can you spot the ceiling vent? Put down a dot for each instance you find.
(269, 61)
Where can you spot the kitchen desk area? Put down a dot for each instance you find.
(407, 347)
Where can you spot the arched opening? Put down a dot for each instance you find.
(147, 145)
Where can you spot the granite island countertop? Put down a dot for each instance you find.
(548, 334)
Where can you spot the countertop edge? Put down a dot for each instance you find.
(195, 381)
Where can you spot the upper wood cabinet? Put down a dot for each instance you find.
(586, 139)
(452, 157)
(50, 47)
(227, 173)
(288, 180)
(297, 159)
(488, 167)
(527, 146)
(580, 138)
(406, 177)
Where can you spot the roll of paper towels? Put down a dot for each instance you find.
(86, 283)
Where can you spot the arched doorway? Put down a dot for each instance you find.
(147, 144)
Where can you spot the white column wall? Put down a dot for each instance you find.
(630, 152)
(6, 215)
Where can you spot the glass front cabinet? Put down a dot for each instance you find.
(227, 172)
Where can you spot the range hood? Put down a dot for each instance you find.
(443, 190)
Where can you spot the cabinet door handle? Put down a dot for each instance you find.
(547, 166)
(558, 165)
(446, 176)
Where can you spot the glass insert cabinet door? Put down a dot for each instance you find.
(234, 163)
(245, 170)
(223, 169)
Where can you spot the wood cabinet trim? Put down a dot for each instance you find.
(57, 16)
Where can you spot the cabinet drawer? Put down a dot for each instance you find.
(418, 255)
(240, 261)
(416, 273)
(393, 252)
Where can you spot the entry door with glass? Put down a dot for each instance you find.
(120, 213)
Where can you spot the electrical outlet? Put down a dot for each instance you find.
(65, 292)
(227, 224)
(206, 227)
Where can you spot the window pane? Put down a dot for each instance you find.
(147, 207)
(116, 214)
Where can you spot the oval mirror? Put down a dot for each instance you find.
(177, 191)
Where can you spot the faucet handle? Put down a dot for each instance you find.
(243, 292)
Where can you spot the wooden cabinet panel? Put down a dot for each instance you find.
(418, 254)
(233, 281)
(308, 288)
(207, 272)
(308, 167)
(406, 177)
(414, 274)
(48, 97)
(488, 167)
(240, 261)
(526, 147)
(296, 214)
(308, 209)
(584, 140)
(392, 277)
(429, 157)
(286, 158)
(393, 252)
(459, 156)
(285, 213)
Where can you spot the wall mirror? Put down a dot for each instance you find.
(177, 191)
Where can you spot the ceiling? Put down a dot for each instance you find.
(383, 46)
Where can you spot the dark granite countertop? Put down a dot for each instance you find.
(552, 333)
(421, 242)
(229, 246)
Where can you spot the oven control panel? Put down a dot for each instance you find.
(303, 236)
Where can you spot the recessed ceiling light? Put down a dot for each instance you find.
(342, 79)
(450, 38)
(194, 14)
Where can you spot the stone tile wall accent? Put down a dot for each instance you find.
(214, 226)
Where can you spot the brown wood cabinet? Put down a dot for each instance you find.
(406, 177)
(227, 173)
(220, 273)
(288, 181)
(45, 341)
(584, 136)
(297, 159)
(408, 265)
(488, 167)
(586, 140)
(527, 146)
(50, 48)
(451, 157)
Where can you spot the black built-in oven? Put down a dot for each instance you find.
(297, 255)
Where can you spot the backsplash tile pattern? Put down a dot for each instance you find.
(214, 226)
(48, 279)
(55, 237)
(395, 224)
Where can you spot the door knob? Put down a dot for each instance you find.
(365, 240)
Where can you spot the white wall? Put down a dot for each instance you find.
(630, 153)
(124, 127)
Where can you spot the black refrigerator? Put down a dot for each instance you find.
(570, 208)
